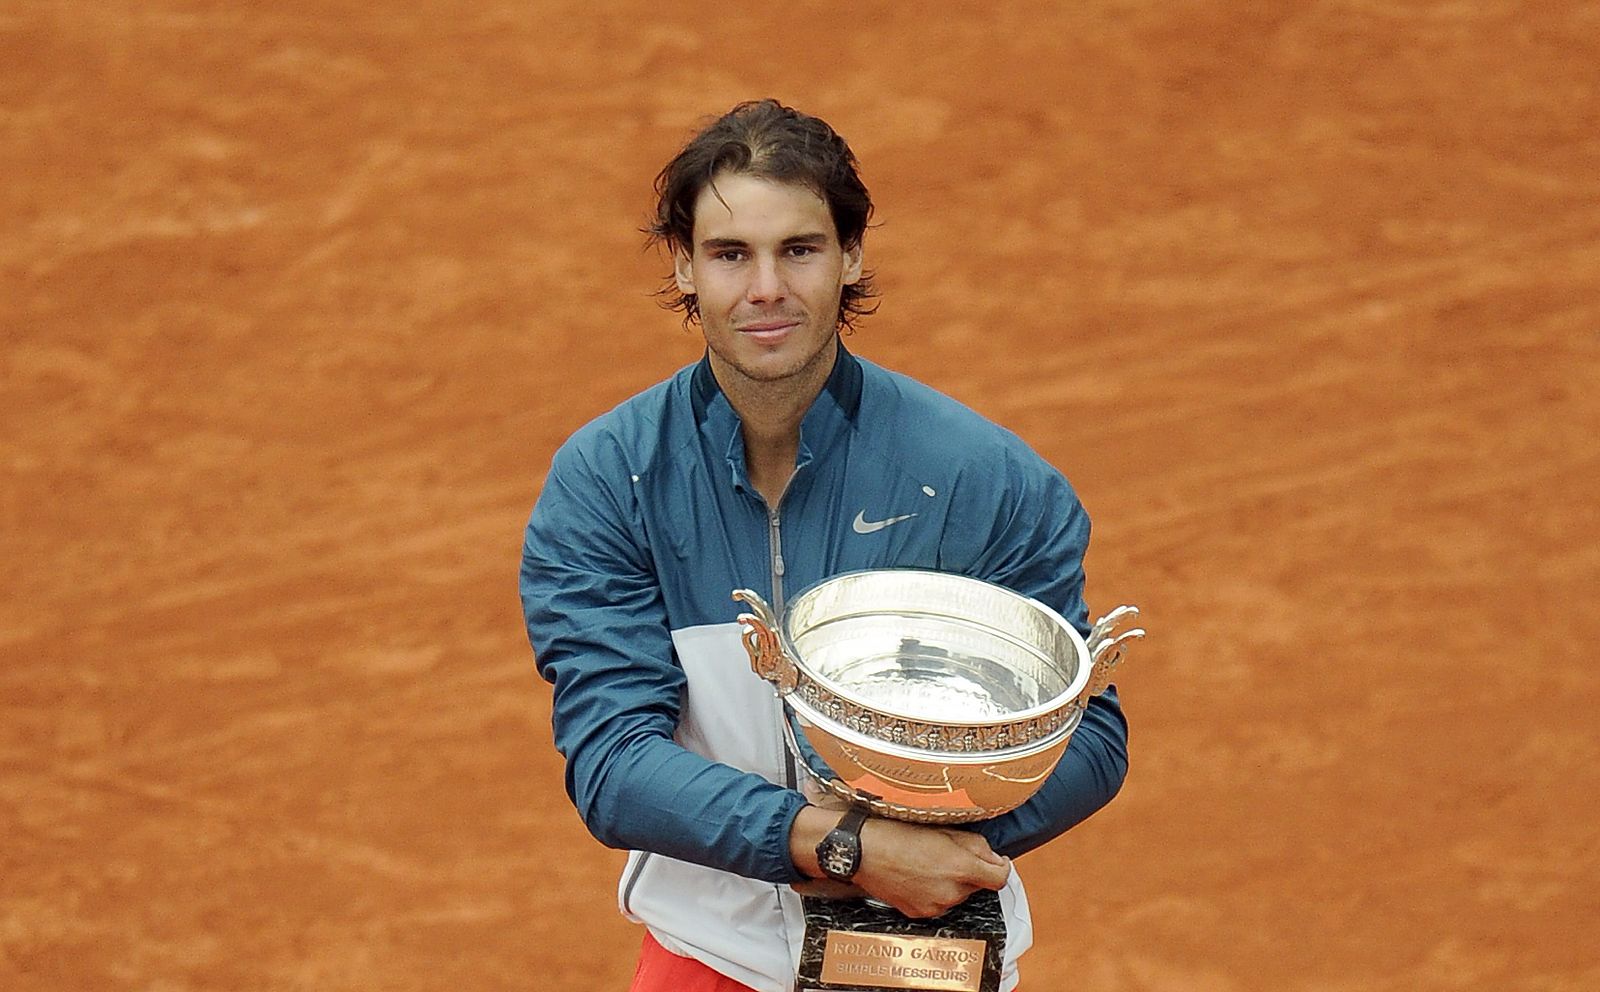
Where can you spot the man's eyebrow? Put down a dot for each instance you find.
(813, 238)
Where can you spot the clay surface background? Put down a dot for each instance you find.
(297, 299)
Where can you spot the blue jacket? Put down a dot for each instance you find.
(647, 521)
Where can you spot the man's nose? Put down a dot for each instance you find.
(766, 282)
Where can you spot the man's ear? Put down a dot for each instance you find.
(852, 265)
(683, 271)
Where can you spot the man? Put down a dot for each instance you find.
(777, 460)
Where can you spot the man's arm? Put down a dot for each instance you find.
(920, 870)
(596, 619)
(1037, 548)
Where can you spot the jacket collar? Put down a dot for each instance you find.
(843, 386)
(832, 413)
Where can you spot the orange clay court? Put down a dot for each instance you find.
(297, 299)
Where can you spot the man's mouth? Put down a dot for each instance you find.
(767, 331)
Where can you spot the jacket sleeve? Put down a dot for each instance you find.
(596, 620)
(1037, 549)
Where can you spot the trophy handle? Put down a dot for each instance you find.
(1103, 626)
(1107, 649)
(759, 629)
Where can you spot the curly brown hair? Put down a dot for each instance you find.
(764, 138)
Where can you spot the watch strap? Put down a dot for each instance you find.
(852, 820)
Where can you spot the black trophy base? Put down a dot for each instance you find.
(853, 945)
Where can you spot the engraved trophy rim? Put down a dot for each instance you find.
(975, 758)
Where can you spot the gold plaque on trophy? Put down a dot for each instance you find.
(893, 961)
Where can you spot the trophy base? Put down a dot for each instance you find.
(855, 945)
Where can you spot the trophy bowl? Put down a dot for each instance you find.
(928, 696)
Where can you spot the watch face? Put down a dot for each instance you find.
(838, 855)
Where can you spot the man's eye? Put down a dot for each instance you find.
(731, 256)
(801, 251)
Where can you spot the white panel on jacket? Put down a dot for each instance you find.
(731, 713)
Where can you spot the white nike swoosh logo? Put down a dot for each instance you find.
(861, 525)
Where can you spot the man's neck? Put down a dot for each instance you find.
(771, 413)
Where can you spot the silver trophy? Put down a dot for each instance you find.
(933, 698)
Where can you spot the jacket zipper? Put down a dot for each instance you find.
(775, 536)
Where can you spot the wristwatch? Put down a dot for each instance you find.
(839, 854)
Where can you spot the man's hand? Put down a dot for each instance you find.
(922, 871)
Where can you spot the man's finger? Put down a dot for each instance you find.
(816, 795)
(989, 870)
(979, 846)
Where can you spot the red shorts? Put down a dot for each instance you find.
(660, 970)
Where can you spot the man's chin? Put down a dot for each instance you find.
(770, 370)
(759, 364)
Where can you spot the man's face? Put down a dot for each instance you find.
(768, 270)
